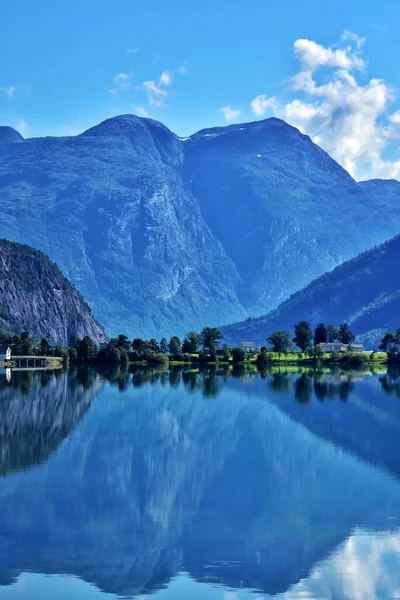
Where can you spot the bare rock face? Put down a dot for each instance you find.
(162, 234)
(36, 297)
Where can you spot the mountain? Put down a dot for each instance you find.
(36, 297)
(162, 234)
(364, 291)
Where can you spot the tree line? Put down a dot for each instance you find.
(24, 345)
(305, 338)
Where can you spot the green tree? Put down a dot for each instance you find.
(191, 342)
(238, 354)
(226, 353)
(164, 345)
(346, 336)
(210, 338)
(122, 341)
(175, 346)
(320, 334)
(44, 347)
(316, 353)
(391, 343)
(139, 346)
(303, 335)
(281, 341)
(332, 334)
(87, 349)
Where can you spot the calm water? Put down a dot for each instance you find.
(188, 485)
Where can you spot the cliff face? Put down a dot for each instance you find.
(36, 297)
(162, 235)
(364, 291)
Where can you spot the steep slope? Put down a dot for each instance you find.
(110, 208)
(284, 211)
(36, 297)
(364, 291)
(162, 234)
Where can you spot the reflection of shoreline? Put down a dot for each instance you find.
(38, 409)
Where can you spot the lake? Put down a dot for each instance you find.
(200, 485)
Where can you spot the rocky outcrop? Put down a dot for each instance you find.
(36, 297)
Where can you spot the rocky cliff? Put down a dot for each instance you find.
(36, 297)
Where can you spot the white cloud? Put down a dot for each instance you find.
(140, 111)
(262, 103)
(165, 79)
(132, 50)
(346, 117)
(350, 36)
(22, 126)
(157, 91)
(230, 114)
(182, 70)
(122, 82)
(9, 91)
(313, 55)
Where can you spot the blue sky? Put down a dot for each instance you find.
(68, 65)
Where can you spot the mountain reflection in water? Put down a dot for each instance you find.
(196, 484)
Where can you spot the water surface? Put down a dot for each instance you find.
(186, 485)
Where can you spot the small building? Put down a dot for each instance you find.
(248, 346)
(339, 347)
(5, 353)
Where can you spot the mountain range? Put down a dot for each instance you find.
(364, 291)
(163, 234)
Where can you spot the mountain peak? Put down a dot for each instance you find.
(127, 124)
(9, 134)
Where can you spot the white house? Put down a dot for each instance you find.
(5, 353)
(339, 347)
(248, 346)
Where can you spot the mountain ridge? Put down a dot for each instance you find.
(162, 234)
(364, 291)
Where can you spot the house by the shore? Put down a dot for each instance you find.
(5, 353)
(339, 347)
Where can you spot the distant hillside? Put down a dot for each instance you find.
(162, 235)
(36, 297)
(364, 291)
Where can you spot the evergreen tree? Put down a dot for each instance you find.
(332, 333)
(191, 342)
(320, 334)
(210, 337)
(303, 335)
(122, 341)
(87, 349)
(44, 348)
(164, 345)
(175, 346)
(345, 335)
